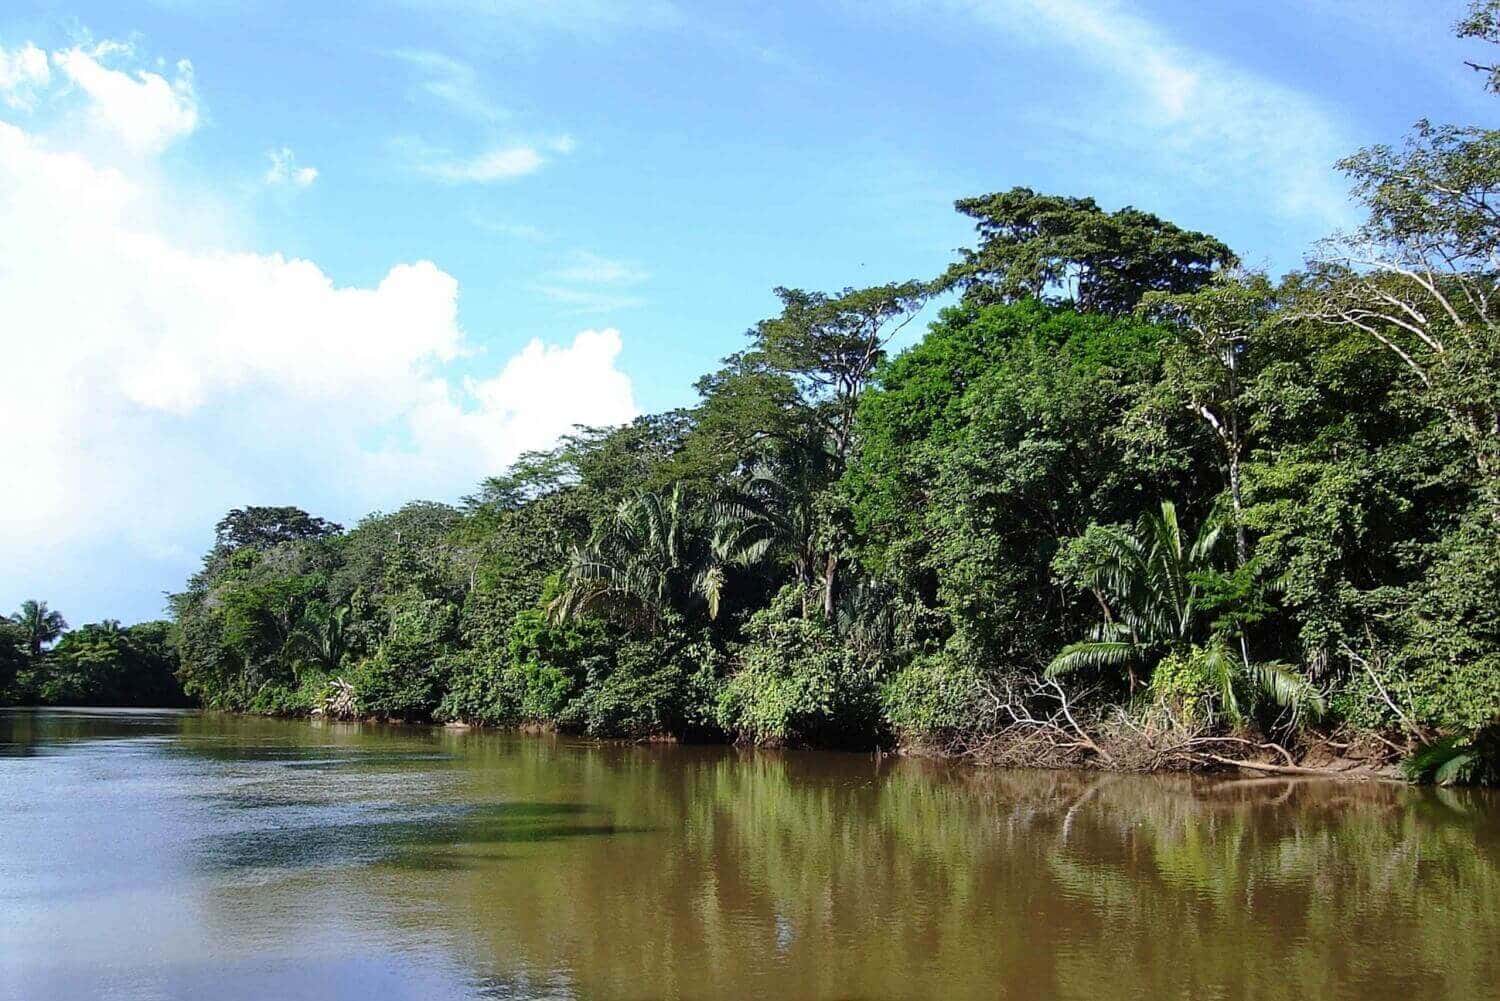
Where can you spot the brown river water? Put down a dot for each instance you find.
(176, 855)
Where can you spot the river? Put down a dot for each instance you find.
(180, 855)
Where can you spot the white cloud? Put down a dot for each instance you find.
(160, 377)
(450, 81)
(145, 110)
(284, 169)
(23, 72)
(514, 230)
(591, 283)
(538, 395)
(1174, 109)
(500, 163)
(592, 269)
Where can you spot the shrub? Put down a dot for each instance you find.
(798, 682)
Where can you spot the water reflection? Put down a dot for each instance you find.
(340, 860)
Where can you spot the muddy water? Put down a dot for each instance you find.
(160, 855)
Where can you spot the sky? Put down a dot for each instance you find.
(345, 256)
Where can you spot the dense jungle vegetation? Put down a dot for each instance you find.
(1124, 502)
(42, 662)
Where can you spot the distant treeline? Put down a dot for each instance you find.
(43, 662)
(1125, 502)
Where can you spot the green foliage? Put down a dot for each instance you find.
(1457, 760)
(39, 625)
(98, 664)
(835, 547)
(268, 527)
(798, 682)
(1034, 245)
(14, 656)
(1482, 21)
(1165, 599)
(406, 676)
(933, 696)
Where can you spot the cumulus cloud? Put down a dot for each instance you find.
(159, 377)
(284, 169)
(145, 110)
(23, 73)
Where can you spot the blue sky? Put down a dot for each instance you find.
(266, 254)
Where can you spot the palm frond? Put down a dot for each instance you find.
(1287, 688)
(1091, 654)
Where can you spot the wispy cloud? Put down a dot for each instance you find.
(514, 230)
(592, 269)
(516, 21)
(592, 283)
(582, 300)
(451, 82)
(285, 171)
(1178, 109)
(499, 163)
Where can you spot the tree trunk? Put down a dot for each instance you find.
(1241, 548)
(830, 576)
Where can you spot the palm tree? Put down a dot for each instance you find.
(657, 554)
(41, 625)
(322, 633)
(1147, 582)
(774, 514)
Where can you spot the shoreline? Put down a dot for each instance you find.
(1318, 761)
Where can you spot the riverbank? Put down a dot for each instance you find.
(1124, 747)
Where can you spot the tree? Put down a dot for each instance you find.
(1150, 584)
(1420, 276)
(104, 663)
(323, 634)
(1483, 22)
(1203, 367)
(983, 446)
(774, 513)
(1039, 246)
(14, 653)
(41, 625)
(658, 556)
(830, 346)
(265, 527)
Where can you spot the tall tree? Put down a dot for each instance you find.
(830, 346)
(41, 625)
(264, 527)
(1055, 247)
(1203, 368)
(1420, 276)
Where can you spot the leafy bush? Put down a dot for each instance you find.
(1458, 760)
(933, 696)
(798, 682)
(405, 679)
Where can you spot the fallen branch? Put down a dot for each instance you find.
(1261, 766)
